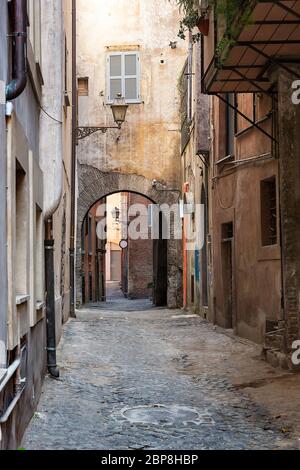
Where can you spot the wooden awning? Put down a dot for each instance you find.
(272, 37)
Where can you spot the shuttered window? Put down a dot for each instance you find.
(124, 76)
(231, 124)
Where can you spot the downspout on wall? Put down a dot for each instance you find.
(51, 151)
(19, 49)
(50, 302)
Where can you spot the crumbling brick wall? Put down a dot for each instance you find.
(140, 259)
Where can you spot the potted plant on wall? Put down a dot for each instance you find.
(236, 13)
(194, 17)
(203, 25)
(191, 19)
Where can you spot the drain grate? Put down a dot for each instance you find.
(165, 415)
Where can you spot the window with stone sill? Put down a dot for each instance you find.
(123, 76)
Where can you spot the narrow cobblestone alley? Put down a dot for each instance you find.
(150, 227)
(135, 377)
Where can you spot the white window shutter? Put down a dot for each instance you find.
(131, 76)
(115, 76)
(124, 76)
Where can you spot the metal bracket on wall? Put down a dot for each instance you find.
(253, 123)
(271, 59)
(83, 132)
(286, 8)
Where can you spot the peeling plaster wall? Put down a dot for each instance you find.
(23, 199)
(19, 148)
(236, 198)
(3, 260)
(148, 145)
(52, 44)
(149, 142)
(194, 172)
(62, 215)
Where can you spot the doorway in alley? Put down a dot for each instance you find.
(227, 273)
(118, 255)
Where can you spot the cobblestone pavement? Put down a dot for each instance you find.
(135, 377)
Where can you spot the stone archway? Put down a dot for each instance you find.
(94, 185)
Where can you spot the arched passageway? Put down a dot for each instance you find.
(93, 186)
(119, 254)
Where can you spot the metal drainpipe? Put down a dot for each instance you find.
(186, 188)
(73, 171)
(50, 302)
(19, 55)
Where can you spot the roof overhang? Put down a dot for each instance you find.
(272, 37)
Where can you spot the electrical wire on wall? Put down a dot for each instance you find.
(215, 178)
(233, 195)
(234, 166)
(46, 112)
(49, 116)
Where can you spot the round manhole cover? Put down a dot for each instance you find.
(165, 415)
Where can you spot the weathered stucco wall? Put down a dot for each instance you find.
(62, 175)
(148, 143)
(20, 148)
(50, 143)
(236, 198)
(22, 198)
(194, 173)
(3, 267)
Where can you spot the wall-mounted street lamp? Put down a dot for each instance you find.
(119, 110)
